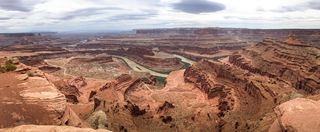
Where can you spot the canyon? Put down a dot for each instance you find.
(178, 79)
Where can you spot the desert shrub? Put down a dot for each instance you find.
(98, 120)
(9, 66)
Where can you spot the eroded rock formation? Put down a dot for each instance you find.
(237, 93)
(294, 64)
(136, 101)
(230, 88)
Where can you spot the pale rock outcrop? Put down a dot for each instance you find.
(298, 115)
(29, 100)
(40, 91)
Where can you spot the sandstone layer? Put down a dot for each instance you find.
(29, 100)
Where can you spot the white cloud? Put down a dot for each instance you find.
(73, 15)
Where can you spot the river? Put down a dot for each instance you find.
(184, 59)
(139, 68)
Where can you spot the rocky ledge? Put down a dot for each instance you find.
(49, 128)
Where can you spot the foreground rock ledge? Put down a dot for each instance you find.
(298, 115)
(49, 128)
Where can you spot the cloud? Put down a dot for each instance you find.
(289, 9)
(86, 12)
(256, 18)
(18, 5)
(73, 15)
(315, 5)
(136, 16)
(4, 18)
(198, 6)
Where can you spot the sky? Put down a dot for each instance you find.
(117, 15)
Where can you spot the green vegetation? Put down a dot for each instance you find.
(185, 65)
(8, 66)
(160, 81)
(98, 120)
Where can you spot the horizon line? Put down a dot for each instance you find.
(133, 30)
